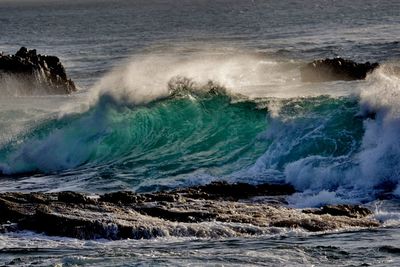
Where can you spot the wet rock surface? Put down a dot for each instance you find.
(336, 69)
(214, 210)
(32, 73)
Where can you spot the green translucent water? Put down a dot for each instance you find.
(183, 137)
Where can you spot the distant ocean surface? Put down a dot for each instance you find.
(145, 119)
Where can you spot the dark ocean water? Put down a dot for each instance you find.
(178, 93)
(91, 36)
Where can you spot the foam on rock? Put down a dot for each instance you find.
(201, 211)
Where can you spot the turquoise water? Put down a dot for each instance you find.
(182, 137)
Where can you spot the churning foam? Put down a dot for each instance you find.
(372, 169)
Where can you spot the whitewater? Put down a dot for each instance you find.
(173, 95)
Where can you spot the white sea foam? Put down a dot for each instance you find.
(359, 174)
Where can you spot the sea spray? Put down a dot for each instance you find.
(144, 78)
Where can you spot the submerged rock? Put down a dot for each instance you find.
(214, 210)
(32, 72)
(336, 69)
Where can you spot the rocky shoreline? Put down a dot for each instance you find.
(218, 209)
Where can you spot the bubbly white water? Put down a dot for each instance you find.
(378, 158)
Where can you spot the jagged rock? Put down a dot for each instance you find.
(176, 213)
(37, 73)
(336, 69)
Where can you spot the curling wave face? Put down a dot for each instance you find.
(170, 137)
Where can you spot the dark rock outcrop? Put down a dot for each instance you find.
(336, 69)
(214, 210)
(35, 72)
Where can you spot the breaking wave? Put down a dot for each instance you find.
(201, 119)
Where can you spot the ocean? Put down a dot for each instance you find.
(178, 93)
